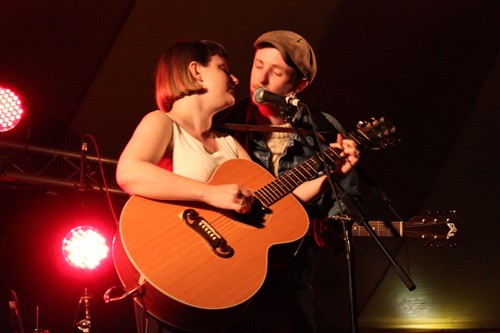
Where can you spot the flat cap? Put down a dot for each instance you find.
(294, 49)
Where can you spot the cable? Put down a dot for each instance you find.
(101, 169)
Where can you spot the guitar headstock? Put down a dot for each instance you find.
(435, 229)
(374, 134)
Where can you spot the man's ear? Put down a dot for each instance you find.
(194, 68)
(300, 85)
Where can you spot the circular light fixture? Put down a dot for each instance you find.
(11, 109)
(84, 247)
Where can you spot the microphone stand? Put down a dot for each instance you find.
(83, 167)
(356, 216)
(85, 324)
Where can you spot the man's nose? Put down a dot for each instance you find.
(262, 77)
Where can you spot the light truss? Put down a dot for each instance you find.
(28, 165)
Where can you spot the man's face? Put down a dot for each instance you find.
(270, 70)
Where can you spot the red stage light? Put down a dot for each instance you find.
(84, 247)
(11, 109)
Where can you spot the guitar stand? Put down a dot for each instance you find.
(355, 216)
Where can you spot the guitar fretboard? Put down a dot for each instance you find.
(380, 228)
(370, 134)
(290, 180)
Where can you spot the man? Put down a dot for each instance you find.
(285, 64)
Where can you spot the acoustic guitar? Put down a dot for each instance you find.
(196, 267)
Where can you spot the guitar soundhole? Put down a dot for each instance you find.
(258, 216)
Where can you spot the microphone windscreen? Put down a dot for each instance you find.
(258, 95)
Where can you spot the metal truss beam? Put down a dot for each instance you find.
(31, 165)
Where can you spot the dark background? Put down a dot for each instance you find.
(430, 67)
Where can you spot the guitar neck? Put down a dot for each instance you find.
(438, 229)
(290, 180)
(375, 133)
(395, 229)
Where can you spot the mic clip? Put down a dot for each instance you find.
(287, 112)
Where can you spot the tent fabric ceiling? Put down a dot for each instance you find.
(52, 52)
(87, 68)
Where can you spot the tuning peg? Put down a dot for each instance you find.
(363, 124)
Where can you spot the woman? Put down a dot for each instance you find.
(173, 151)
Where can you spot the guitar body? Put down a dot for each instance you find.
(184, 282)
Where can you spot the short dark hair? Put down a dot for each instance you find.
(173, 78)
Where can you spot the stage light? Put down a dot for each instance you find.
(84, 247)
(11, 109)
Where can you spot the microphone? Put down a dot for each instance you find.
(262, 95)
(83, 166)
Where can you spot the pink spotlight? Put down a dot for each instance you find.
(84, 247)
(11, 109)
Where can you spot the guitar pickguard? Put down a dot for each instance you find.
(257, 218)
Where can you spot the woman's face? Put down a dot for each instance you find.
(219, 82)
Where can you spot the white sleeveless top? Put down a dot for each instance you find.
(190, 158)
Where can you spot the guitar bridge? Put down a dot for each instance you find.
(207, 231)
